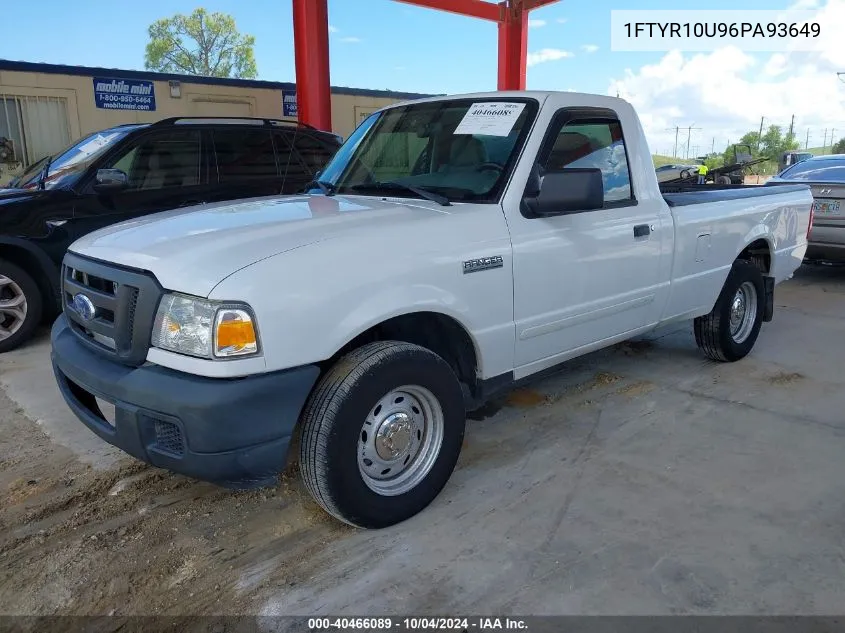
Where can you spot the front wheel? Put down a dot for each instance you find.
(20, 306)
(382, 433)
(730, 330)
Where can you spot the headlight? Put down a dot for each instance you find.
(200, 327)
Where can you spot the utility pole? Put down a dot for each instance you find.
(713, 146)
(807, 142)
(832, 139)
(791, 136)
(689, 136)
(824, 143)
(760, 135)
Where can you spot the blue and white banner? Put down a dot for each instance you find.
(124, 94)
(289, 104)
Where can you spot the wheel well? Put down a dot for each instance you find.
(759, 254)
(439, 333)
(29, 262)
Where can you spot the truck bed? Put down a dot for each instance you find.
(684, 195)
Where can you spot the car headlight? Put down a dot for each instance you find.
(199, 327)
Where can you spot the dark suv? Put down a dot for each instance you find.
(129, 171)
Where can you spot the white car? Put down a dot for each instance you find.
(452, 246)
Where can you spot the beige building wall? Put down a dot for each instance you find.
(195, 99)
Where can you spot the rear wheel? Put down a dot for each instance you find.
(723, 180)
(729, 332)
(20, 306)
(382, 433)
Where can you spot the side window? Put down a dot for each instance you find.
(294, 172)
(313, 152)
(158, 161)
(244, 155)
(597, 145)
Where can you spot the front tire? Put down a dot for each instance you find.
(381, 434)
(21, 306)
(729, 332)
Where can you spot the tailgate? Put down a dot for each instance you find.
(828, 203)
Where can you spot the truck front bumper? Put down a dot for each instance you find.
(232, 432)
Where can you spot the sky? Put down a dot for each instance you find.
(383, 44)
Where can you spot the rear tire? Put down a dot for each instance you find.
(729, 332)
(723, 180)
(21, 306)
(381, 434)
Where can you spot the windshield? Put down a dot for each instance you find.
(460, 149)
(68, 164)
(823, 170)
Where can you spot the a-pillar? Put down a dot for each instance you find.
(311, 50)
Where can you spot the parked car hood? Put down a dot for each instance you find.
(17, 195)
(191, 250)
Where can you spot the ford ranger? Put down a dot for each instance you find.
(453, 246)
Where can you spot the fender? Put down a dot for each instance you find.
(405, 301)
(47, 268)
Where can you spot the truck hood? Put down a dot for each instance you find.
(191, 250)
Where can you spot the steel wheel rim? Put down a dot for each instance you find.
(12, 307)
(400, 440)
(743, 312)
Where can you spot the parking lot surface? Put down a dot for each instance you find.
(642, 479)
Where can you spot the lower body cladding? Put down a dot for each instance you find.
(232, 432)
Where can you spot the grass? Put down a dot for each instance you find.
(660, 160)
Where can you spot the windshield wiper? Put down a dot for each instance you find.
(393, 184)
(42, 179)
(326, 187)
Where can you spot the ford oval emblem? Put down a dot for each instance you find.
(84, 307)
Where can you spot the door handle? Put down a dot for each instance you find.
(642, 230)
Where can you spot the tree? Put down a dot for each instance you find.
(839, 148)
(202, 43)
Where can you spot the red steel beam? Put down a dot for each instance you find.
(513, 50)
(530, 5)
(471, 8)
(311, 51)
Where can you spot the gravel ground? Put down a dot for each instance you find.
(642, 479)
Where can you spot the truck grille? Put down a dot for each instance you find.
(111, 308)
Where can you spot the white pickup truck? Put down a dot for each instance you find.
(452, 246)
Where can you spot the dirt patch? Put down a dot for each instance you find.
(636, 389)
(526, 398)
(785, 378)
(139, 540)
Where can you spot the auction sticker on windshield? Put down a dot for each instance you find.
(490, 118)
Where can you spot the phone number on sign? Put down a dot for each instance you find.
(405, 624)
(722, 29)
(126, 99)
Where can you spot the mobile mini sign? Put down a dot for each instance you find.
(124, 94)
(289, 107)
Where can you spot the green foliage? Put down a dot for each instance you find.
(771, 145)
(838, 147)
(201, 43)
(659, 160)
(714, 161)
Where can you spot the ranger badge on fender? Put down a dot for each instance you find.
(485, 263)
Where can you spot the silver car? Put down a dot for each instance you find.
(675, 171)
(826, 177)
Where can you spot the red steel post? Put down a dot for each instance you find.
(311, 51)
(513, 48)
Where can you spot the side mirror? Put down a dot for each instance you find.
(567, 191)
(110, 180)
